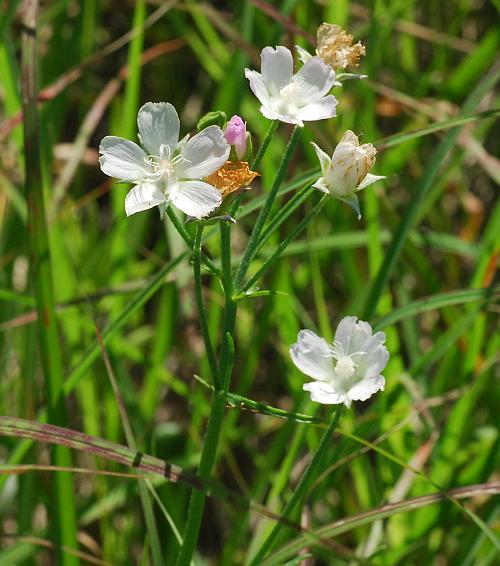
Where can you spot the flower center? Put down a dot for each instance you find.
(288, 100)
(345, 367)
(164, 164)
(290, 92)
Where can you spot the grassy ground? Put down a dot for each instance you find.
(118, 357)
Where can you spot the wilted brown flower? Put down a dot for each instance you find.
(335, 47)
(232, 176)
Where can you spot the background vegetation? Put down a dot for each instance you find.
(421, 264)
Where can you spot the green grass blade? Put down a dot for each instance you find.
(418, 197)
(346, 525)
(437, 302)
(397, 139)
(63, 506)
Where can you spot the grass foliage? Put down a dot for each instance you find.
(99, 331)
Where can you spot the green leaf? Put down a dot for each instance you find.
(214, 118)
(438, 301)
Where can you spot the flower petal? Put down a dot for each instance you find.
(304, 55)
(324, 393)
(374, 362)
(258, 87)
(348, 137)
(321, 185)
(356, 335)
(271, 114)
(376, 356)
(195, 198)
(142, 197)
(312, 355)
(365, 388)
(123, 159)
(203, 154)
(325, 108)
(345, 329)
(369, 179)
(276, 68)
(158, 125)
(314, 80)
(324, 159)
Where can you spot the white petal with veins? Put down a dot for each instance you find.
(203, 154)
(143, 197)
(195, 198)
(312, 355)
(158, 125)
(123, 159)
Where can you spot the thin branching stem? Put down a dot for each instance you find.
(285, 243)
(266, 209)
(297, 199)
(265, 144)
(200, 305)
(301, 489)
(217, 408)
(186, 236)
(255, 162)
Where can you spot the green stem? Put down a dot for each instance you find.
(217, 408)
(283, 213)
(265, 144)
(301, 489)
(63, 505)
(184, 234)
(197, 501)
(212, 362)
(285, 243)
(266, 209)
(256, 161)
(226, 358)
(147, 504)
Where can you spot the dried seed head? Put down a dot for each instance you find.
(335, 47)
(233, 175)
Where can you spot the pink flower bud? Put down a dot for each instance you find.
(236, 134)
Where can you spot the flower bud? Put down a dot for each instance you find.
(236, 134)
(348, 170)
(351, 163)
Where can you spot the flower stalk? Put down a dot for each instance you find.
(265, 144)
(200, 305)
(217, 407)
(285, 243)
(266, 209)
(302, 487)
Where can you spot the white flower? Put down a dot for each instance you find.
(169, 171)
(288, 97)
(347, 370)
(347, 171)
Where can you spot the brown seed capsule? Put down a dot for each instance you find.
(233, 175)
(335, 47)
